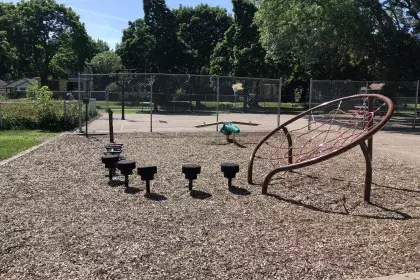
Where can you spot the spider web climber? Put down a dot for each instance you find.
(333, 128)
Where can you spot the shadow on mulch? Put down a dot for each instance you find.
(237, 144)
(155, 197)
(343, 180)
(130, 190)
(402, 215)
(388, 213)
(115, 183)
(199, 194)
(239, 190)
(227, 143)
(396, 189)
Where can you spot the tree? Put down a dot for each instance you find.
(9, 36)
(53, 38)
(137, 47)
(222, 59)
(201, 28)
(361, 39)
(396, 53)
(240, 53)
(106, 62)
(169, 53)
(101, 46)
(8, 58)
(249, 56)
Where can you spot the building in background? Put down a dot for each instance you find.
(21, 85)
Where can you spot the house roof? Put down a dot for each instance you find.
(21, 81)
(2, 83)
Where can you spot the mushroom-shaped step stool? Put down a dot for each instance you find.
(147, 173)
(114, 149)
(229, 170)
(110, 162)
(126, 168)
(191, 171)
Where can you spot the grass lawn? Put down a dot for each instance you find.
(15, 141)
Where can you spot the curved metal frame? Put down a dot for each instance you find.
(366, 149)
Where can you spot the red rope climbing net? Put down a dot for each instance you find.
(322, 130)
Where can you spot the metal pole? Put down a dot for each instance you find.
(368, 180)
(111, 126)
(147, 187)
(415, 106)
(123, 99)
(65, 111)
(107, 99)
(310, 103)
(279, 105)
(367, 86)
(151, 104)
(217, 103)
(87, 116)
(263, 95)
(80, 105)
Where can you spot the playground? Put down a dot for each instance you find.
(61, 219)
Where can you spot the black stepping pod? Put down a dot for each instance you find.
(126, 168)
(229, 170)
(147, 173)
(110, 162)
(191, 171)
(114, 149)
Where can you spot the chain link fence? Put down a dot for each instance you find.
(404, 95)
(143, 102)
(173, 102)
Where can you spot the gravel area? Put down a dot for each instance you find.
(61, 219)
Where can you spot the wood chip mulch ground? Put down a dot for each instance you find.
(61, 219)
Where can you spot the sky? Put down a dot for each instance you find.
(105, 19)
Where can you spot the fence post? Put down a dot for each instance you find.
(415, 106)
(65, 111)
(310, 101)
(107, 99)
(217, 103)
(279, 105)
(151, 103)
(263, 94)
(80, 104)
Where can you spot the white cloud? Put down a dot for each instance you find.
(97, 26)
(100, 14)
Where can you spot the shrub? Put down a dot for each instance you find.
(43, 114)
